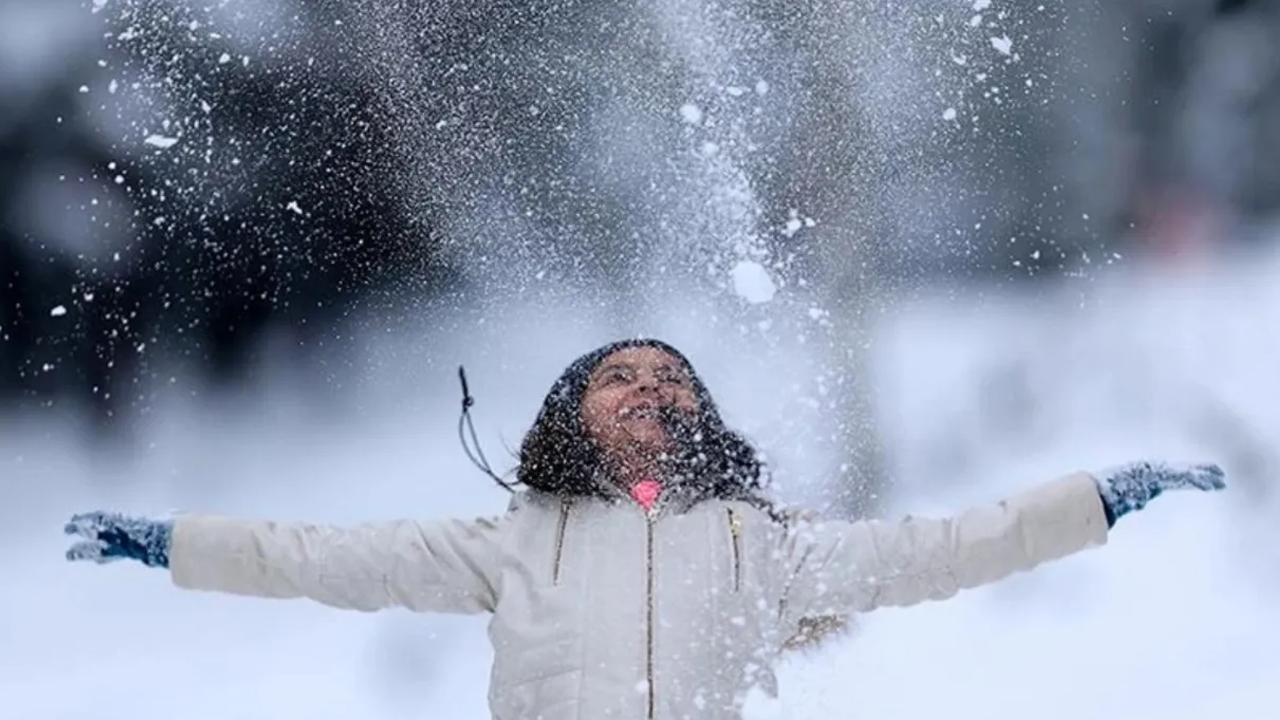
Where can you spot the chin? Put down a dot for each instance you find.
(655, 444)
(658, 444)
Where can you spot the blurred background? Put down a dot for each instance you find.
(925, 254)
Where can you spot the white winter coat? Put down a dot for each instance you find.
(601, 610)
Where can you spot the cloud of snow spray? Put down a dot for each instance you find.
(659, 207)
(1158, 624)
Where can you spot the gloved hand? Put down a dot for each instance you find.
(111, 536)
(1130, 487)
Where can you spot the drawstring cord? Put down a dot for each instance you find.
(467, 428)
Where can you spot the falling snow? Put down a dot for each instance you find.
(752, 282)
(161, 141)
(684, 161)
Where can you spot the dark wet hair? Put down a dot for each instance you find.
(558, 456)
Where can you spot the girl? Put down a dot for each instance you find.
(642, 573)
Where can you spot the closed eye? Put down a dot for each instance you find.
(614, 376)
(672, 376)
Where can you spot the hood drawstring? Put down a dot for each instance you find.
(466, 427)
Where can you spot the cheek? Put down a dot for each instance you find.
(686, 400)
(596, 414)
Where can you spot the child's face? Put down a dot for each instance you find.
(624, 397)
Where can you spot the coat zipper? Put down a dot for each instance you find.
(650, 613)
(560, 530)
(735, 532)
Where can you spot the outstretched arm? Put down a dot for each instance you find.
(839, 567)
(441, 566)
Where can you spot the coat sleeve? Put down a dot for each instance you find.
(441, 566)
(835, 568)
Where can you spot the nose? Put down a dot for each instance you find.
(650, 385)
(646, 382)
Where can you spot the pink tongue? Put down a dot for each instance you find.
(646, 493)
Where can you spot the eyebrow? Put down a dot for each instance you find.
(620, 365)
(613, 365)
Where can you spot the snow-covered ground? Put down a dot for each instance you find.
(982, 395)
(1176, 617)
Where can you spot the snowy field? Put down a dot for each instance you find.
(981, 395)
